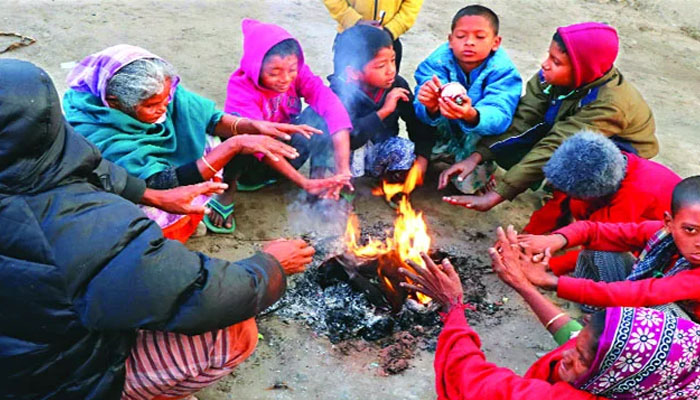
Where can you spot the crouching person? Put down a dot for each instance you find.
(96, 303)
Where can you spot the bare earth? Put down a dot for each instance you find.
(660, 47)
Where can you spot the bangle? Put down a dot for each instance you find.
(551, 321)
(204, 160)
(235, 125)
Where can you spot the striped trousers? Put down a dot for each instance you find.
(166, 365)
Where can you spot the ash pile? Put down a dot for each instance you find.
(336, 308)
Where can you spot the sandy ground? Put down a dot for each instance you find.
(660, 47)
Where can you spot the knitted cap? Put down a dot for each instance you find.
(587, 165)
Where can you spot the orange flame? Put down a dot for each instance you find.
(410, 236)
(413, 178)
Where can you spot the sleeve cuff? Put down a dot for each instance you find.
(506, 191)
(486, 154)
(134, 189)
(567, 332)
(424, 149)
(188, 174)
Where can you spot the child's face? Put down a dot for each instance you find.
(557, 68)
(153, 108)
(278, 73)
(685, 228)
(380, 72)
(472, 41)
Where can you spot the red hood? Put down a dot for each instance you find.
(592, 48)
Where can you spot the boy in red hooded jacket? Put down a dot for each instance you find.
(577, 88)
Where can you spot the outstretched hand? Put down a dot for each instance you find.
(539, 243)
(482, 202)
(294, 255)
(283, 131)
(463, 168)
(179, 200)
(265, 145)
(531, 266)
(328, 187)
(439, 282)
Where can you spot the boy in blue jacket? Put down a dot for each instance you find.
(376, 98)
(472, 58)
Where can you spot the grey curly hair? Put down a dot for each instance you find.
(587, 165)
(138, 81)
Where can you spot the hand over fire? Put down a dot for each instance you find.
(439, 282)
(294, 255)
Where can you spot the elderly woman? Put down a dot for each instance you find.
(96, 304)
(129, 103)
(624, 353)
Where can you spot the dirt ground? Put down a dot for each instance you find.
(660, 47)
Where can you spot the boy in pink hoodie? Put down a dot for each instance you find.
(268, 85)
(578, 88)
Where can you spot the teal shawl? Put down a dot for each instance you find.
(144, 149)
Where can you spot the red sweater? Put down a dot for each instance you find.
(462, 372)
(646, 292)
(644, 194)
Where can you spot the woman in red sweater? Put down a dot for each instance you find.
(595, 181)
(625, 353)
(665, 272)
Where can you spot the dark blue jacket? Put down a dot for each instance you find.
(82, 269)
(366, 123)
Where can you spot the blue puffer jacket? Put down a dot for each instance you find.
(494, 88)
(82, 269)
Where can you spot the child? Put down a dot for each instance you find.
(605, 185)
(471, 57)
(665, 272)
(376, 97)
(269, 85)
(577, 88)
(394, 16)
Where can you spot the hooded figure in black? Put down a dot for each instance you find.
(82, 268)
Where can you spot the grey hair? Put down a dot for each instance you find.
(587, 165)
(138, 81)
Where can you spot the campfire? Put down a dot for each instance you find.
(372, 268)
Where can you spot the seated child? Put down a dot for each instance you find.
(473, 58)
(605, 185)
(665, 271)
(376, 98)
(131, 105)
(577, 88)
(269, 84)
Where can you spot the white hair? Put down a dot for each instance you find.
(138, 81)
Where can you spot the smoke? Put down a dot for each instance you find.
(321, 218)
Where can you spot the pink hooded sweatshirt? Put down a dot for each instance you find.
(592, 48)
(245, 96)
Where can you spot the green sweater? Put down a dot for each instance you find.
(617, 110)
